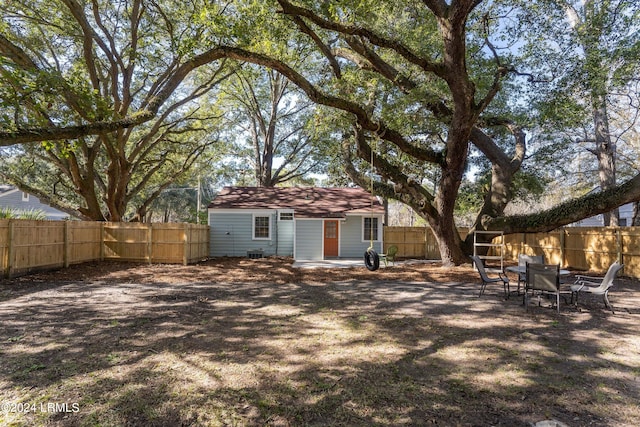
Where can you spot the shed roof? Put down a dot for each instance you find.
(307, 202)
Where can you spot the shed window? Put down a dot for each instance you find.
(370, 229)
(286, 216)
(25, 197)
(261, 226)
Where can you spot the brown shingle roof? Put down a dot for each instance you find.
(307, 202)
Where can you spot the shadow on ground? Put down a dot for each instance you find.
(355, 352)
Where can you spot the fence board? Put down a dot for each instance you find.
(411, 241)
(4, 245)
(591, 248)
(630, 250)
(84, 241)
(36, 245)
(580, 248)
(198, 243)
(27, 245)
(126, 242)
(415, 242)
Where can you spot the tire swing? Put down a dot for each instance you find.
(371, 257)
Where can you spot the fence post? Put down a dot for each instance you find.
(619, 245)
(67, 244)
(150, 244)
(102, 244)
(563, 251)
(185, 249)
(425, 237)
(10, 250)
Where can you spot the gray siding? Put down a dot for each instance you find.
(308, 240)
(285, 238)
(626, 218)
(231, 235)
(351, 244)
(13, 200)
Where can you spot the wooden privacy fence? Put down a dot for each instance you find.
(414, 242)
(411, 241)
(580, 248)
(29, 245)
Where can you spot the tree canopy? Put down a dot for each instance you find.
(272, 121)
(414, 92)
(113, 87)
(587, 58)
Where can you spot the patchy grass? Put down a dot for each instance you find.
(240, 342)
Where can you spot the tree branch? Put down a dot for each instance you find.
(52, 133)
(427, 65)
(361, 114)
(568, 212)
(412, 192)
(318, 41)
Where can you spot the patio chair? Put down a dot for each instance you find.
(544, 278)
(596, 285)
(522, 262)
(486, 279)
(390, 256)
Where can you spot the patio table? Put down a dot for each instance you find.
(521, 269)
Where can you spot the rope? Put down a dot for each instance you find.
(371, 258)
(371, 190)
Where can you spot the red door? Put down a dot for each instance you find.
(330, 238)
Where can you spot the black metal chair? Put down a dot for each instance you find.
(486, 279)
(522, 263)
(544, 278)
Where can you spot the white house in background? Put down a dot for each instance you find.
(19, 201)
(306, 223)
(626, 218)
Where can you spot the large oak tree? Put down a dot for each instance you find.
(422, 80)
(119, 92)
(414, 84)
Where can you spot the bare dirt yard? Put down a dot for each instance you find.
(239, 342)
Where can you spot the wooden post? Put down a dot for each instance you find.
(102, 244)
(185, 248)
(10, 250)
(150, 244)
(619, 253)
(67, 244)
(563, 252)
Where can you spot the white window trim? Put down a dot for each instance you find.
(25, 197)
(286, 211)
(253, 226)
(379, 231)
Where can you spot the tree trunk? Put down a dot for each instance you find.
(267, 162)
(449, 243)
(605, 151)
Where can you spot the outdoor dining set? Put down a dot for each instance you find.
(535, 278)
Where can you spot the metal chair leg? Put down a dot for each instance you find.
(608, 304)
